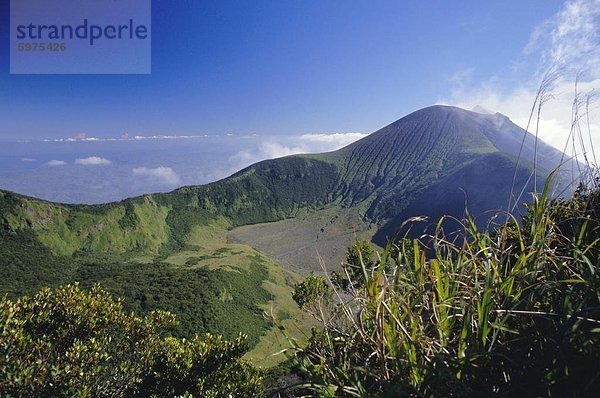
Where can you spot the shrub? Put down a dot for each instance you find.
(70, 342)
(312, 292)
(359, 258)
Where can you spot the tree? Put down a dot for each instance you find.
(70, 342)
(312, 293)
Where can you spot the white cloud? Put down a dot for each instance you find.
(271, 150)
(555, 121)
(125, 137)
(266, 150)
(461, 79)
(337, 139)
(56, 163)
(161, 174)
(27, 160)
(93, 161)
(574, 33)
(306, 143)
(569, 43)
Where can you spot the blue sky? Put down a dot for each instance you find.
(285, 68)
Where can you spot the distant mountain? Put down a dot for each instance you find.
(428, 163)
(153, 248)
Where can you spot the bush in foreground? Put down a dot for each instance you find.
(512, 313)
(69, 342)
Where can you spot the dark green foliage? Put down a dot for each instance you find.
(203, 367)
(278, 380)
(312, 292)
(577, 219)
(268, 191)
(360, 258)
(8, 202)
(513, 314)
(181, 220)
(195, 295)
(130, 220)
(192, 294)
(27, 265)
(195, 260)
(68, 342)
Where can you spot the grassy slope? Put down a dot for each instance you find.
(151, 224)
(135, 225)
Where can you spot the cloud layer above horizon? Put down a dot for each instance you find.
(162, 175)
(271, 148)
(93, 161)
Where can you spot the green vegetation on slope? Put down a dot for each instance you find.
(136, 225)
(224, 301)
(208, 247)
(218, 287)
(267, 191)
(215, 301)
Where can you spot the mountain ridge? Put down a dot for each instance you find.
(234, 248)
(380, 174)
